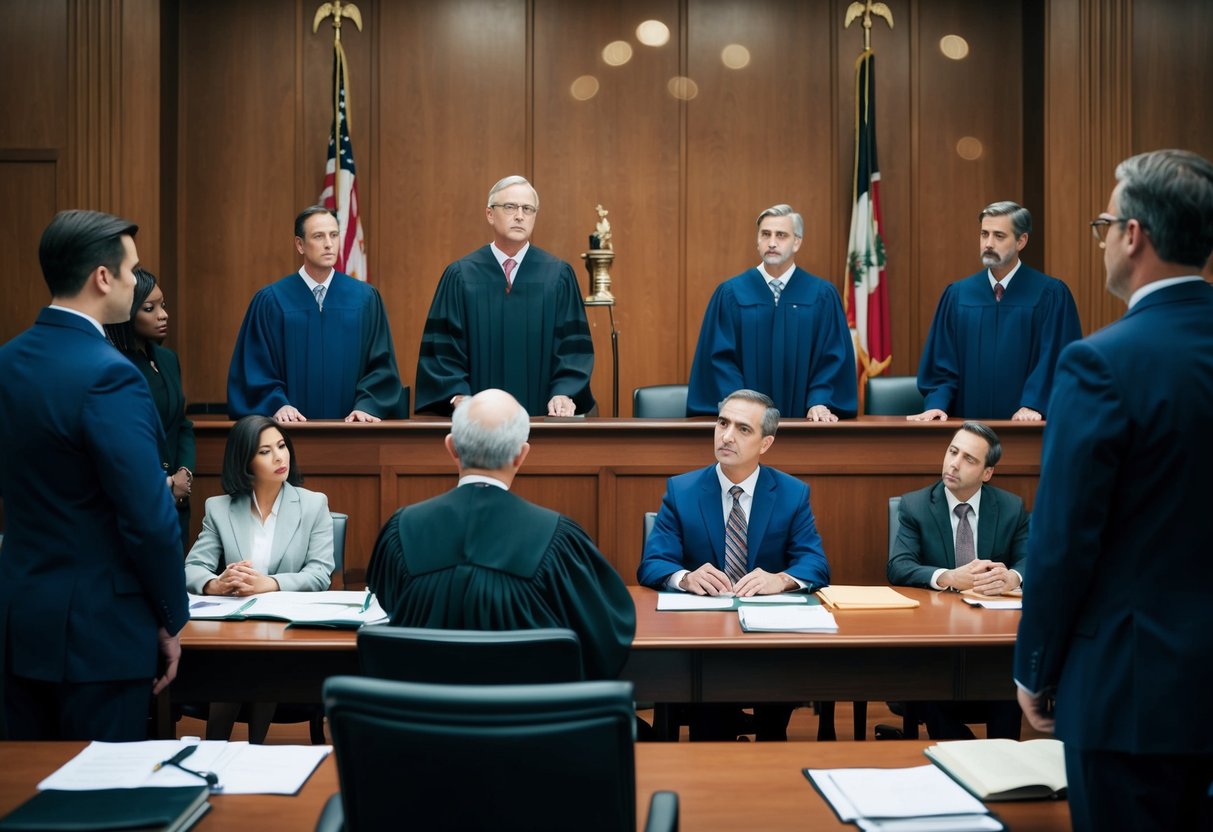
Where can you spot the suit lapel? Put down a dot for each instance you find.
(943, 522)
(240, 518)
(287, 525)
(986, 523)
(761, 508)
(711, 507)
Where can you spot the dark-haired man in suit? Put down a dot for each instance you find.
(1118, 622)
(91, 584)
(963, 534)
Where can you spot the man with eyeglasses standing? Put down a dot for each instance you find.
(508, 316)
(1117, 624)
(779, 330)
(996, 336)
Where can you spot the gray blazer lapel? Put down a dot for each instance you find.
(287, 526)
(240, 518)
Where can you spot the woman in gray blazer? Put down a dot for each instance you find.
(264, 533)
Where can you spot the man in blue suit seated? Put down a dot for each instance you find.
(963, 534)
(1118, 626)
(91, 587)
(996, 335)
(737, 528)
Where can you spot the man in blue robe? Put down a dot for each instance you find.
(316, 344)
(508, 316)
(779, 330)
(996, 336)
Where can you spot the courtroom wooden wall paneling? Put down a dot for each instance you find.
(33, 43)
(619, 148)
(30, 184)
(453, 118)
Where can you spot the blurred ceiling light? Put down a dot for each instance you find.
(969, 148)
(735, 56)
(954, 47)
(682, 87)
(584, 88)
(617, 53)
(653, 33)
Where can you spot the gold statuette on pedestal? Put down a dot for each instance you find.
(598, 262)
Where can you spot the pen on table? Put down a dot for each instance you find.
(176, 758)
(366, 603)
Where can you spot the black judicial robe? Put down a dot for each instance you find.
(984, 359)
(533, 341)
(799, 353)
(325, 363)
(481, 558)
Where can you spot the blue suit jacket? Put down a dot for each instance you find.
(925, 541)
(92, 551)
(781, 535)
(1118, 618)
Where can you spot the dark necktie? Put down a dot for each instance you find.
(998, 290)
(965, 550)
(735, 539)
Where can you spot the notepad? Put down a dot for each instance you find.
(865, 598)
(994, 603)
(903, 799)
(787, 619)
(1004, 769)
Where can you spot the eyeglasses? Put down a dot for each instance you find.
(1099, 227)
(514, 208)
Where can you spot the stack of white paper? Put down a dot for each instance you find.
(787, 619)
(918, 799)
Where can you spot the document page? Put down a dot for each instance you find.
(921, 791)
(789, 619)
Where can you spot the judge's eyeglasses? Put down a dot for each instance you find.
(514, 208)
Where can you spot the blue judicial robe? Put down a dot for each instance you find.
(984, 359)
(799, 353)
(325, 363)
(532, 341)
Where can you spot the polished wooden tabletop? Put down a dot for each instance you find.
(720, 786)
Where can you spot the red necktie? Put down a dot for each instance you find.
(509, 265)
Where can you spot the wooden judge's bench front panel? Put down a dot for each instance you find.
(606, 473)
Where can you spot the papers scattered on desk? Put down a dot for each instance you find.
(242, 768)
(865, 598)
(334, 608)
(918, 799)
(682, 601)
(787, 619)
(994, 603)
(1004, 769)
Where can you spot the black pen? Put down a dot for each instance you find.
(176, 758)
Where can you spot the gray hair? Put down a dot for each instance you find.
(509, 182)
(1021, 218)
(488, 447)
(783, 211)
(1170, 192)
(994, 446)
(770, 417)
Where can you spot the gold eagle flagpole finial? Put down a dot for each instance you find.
(337, 10)
(867, 9)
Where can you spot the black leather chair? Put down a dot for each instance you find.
(892, 396)
(504, 757)
(470, 657)
(660, 401)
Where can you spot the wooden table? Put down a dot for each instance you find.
(944, 649)
(721, 786)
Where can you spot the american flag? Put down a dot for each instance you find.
(340, 183)
(867, 295)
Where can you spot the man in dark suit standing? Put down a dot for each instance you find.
(963, 534)
(737, 528)
(1118, 622)
(91, 584)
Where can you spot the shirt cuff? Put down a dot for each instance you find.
(1016, 571)
(935, 579)
(674, 581)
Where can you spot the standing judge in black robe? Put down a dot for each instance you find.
(508, 315)
(480, 558)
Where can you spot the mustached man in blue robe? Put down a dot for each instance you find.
(508, 316)
(299, 357)
(990, 354)
(788, 341)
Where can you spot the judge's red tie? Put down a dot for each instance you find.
(998, 290)
(735, 553)
(509, 265)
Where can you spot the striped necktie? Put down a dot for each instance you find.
(319, 293)
(735, 556)
(776, 289)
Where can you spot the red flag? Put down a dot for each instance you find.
(867, 295)
(340, 180)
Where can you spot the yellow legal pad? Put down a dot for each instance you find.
(865, 598)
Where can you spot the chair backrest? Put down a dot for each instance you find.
(339, 524)
(660, 401)
(650, 520)
(503, 757)
(894, 522)
(892, 396)
(470, 657)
